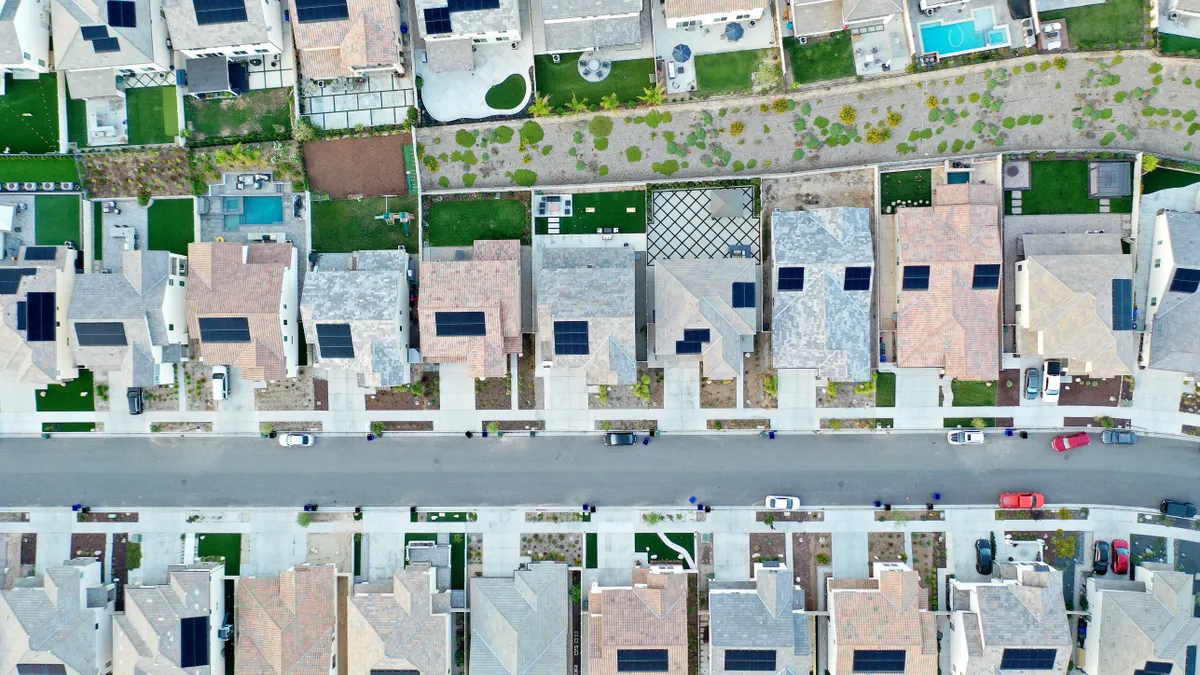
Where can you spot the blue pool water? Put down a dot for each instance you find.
(972, 35)
(230, 204)
(262, 210)
(958, 177)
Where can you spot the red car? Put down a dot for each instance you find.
(1070, 441)
(1022, 500)
(1120, 559)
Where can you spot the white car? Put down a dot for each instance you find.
(1052, 372)
(965, 437)
(220, 381)
(781, 503)
(296, 440)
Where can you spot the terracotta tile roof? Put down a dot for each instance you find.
(490, 283)
(285, 626)
(331, 49)
(220, 284)
(950, 325)
(888, 612)
(650, 615)
(682, 9)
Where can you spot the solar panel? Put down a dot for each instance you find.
(916, 278)
(642, 661)
(40, 253)
(1190, 667)
(743, 294)
(1186, 280)
(209, 12)
(335, 341)
(321, 10)
(570, 337)
(1028, 659)
(685, 347)
(225, 329)
(459, 324)
(437, 21)
(101, 334)
(122, 14)
(696, 335)
(857, 279)
(1158, 667)
(986, 276)
(40, 319)
(10, 278)
(791, 278)
(94, 32)
(22, 308)
(41, 669)
(750, 659)
(102, 46)
(1122, 298)
(471, 5)
(879, 660)
(193, 642)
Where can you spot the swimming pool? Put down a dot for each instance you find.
(262, 210)
(976, 34)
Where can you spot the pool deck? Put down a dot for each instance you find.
(949, 15)
(295, 228)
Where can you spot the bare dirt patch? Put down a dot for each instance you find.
(819, 191)
(180, 427)
(296, 426)
(88, 545)
(162, 173)
(760, 381)
(626, 425)
(718, 393)
(846, 395)
(647, 393)
(811, 550)
(493, 393)
(767, 546)
(560, 547)
(1090, 391)
(294, 393)
(885, 547)
(422, 394)
(320, 394)
(530, 392)
(929, 555)
(199, 389)
(1009, 388)
(351, 167)
(759, 423)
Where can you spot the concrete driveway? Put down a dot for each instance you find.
(797, 388)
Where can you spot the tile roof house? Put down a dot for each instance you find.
(59, 623)
(881, 624)
(287, 625)
(585, 312)
(24, 37)
(347, 39)
(96, 41)
(948, 267)
(1074, 298)
(520, 625)
(574, 26)
(1015, 621)
(403, 626)
(716, 302)
(360, 317)
(639, 628)
(450, 29)
(759, 624)
(134, 322)
(242, 307)
(1173, 315)
(35, 292)
(691, 13)
(824, 261)
(201, 28)
(470, 310)
(172, 629)
(1142, 626)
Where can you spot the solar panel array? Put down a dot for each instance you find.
(225, 329)
(193, 642)
(335, 341)
(642, 661)
(986, 276)
(791, 278)
(1189, 667)
(40, 320)
(209, 12)
(1154, 668)
(94, 32)
(471, 5)
(10, 278)
(1122, 298)
(916, 278)
(685, 347)
(122, 14)
(857, 279)
(1028, 659)
(40, 252)
(696, 335)
(693, 341)
(101, 334)
(321, 10)
(22, 315)
(570, 338)
(743, 294)
(758, 660)
(1186, 280)
(879, 660)
(460, 324)
(106, 45)
(41, 669)
(437, 21)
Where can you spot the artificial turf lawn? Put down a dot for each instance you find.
(67, 427)
(1061, 186)
(76, 120)
(973, 394)
(644, 541)
(227, 546)
(461, 223)
(348, 225)
(820, 59)
(1178, 45)
(171, 225)
(458, 561)
(76, 395)
(1112, 23)
(885, 390)
(729, 72)
(508, 94)
(37, 169)
(153, 115)
(29, 115)
(559, 80)
(591, 551)
(1165, 179)
(98, 230)
(610, 211)
(56, 219)
(911, 186)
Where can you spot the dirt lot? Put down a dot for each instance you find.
(811, 550)
(765, 546)
(530, 393)
(493, 393)
(929, 554)
(349, 167)
(1088, 391)
(843, 395)
(757, 371)
(884, 547)
(423, 394)
(566, 548)
(819, 191)
(1010, 394)
(718, 393)
(296, 393)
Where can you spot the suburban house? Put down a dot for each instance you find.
(1142, 626)
(59, 623)
(707, 311)
(758, 625)
(882, 624)
(224, 29)
(346, 38)
(288, 624)
(175, 627)
(585, 313)
(450, 29)
(97, 42)
(401, 626)
(470, 310)
(1074, 302)
(1173, 314)
(521, 625)
(694, 13)
(820, 17)
(948, 272)
(242, 306)
(569, 26)
(824, 261)
(1016, 621)
(35, 292)
(639, 628)
(360, 317)
(24, 38)
(134, 321)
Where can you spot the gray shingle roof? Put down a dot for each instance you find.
(1029, 614)
(32, 362)
(160, 610)
(73, 52)
(519, 625)
(1138, 626)
(10, 39)
(403, 628)
(592, 33)
(1175, 337)
(52, 618)
(575, 9)
(698, 294)
(186, 33)
(766, 616)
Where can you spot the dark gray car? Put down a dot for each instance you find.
(983, 557)
(1119, 437)
(1033, 383)
(1177, 509)
(620, 438)
(136, 404)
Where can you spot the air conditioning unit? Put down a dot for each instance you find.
(225, 632)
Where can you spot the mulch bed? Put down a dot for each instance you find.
(884, 547)
(529, 394)
(740, 424)
(806, 546)
(1089, 391)
(29, 549)
(902, 516)
(1118, 422)
(106, 517)
(493, 393)
(718, 393)
(371, 167)
(388, 399)
(320, 394)
(408, 426)
(627, 425)
(86, 545)
(766, 546)
(1006, 394)
(517, 425)
(791, 516)
(120, 549)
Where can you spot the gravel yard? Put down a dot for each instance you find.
(295, 393)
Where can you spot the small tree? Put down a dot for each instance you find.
(979, 423)
(378, 428)
(771, 384)
(493, 427)
(304, 519)
(1149, 163)
(265, 429)
(769, 520)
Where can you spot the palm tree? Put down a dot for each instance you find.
(610, 102)
(576, 105)
(653, 97)
(541, 106)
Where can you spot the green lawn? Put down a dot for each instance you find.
(1178, 45)
(885, 390)
(592, 552)
(357, 554)
(650, 541)
(29, 115)
(76, 120)
(67, 427)
(227, 546)
(729, 72)
(171, 225)
(56, 219)
(560, 80)
(461, 223)
(911, 186)
(611, 210)
(1061, 187)
(263, 112)
(973, 394)
(347, 225)
(965, 422)
(1114, 23)
(74, 396)
(821, 59)
(1165, 179)
(420, 536)
(98, 230)
(153, 115)
(508, 94)
(458, 561)
(57, 169)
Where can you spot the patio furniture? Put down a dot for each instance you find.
(734, 31)
(681, 52)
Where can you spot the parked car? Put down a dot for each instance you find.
(1120, 556)
(1022, 500)
(1052, 381)
(983, 557)
(1100, 553)
(1177, 509)
(1033, 383)
(1119, 437)
(783, 503)
(296, 440)
(965, 437)
(136, 404)
(220, 380)
(1071, 441)
(620, 438)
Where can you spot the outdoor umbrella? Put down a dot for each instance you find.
(734, 31)
(681, 53)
